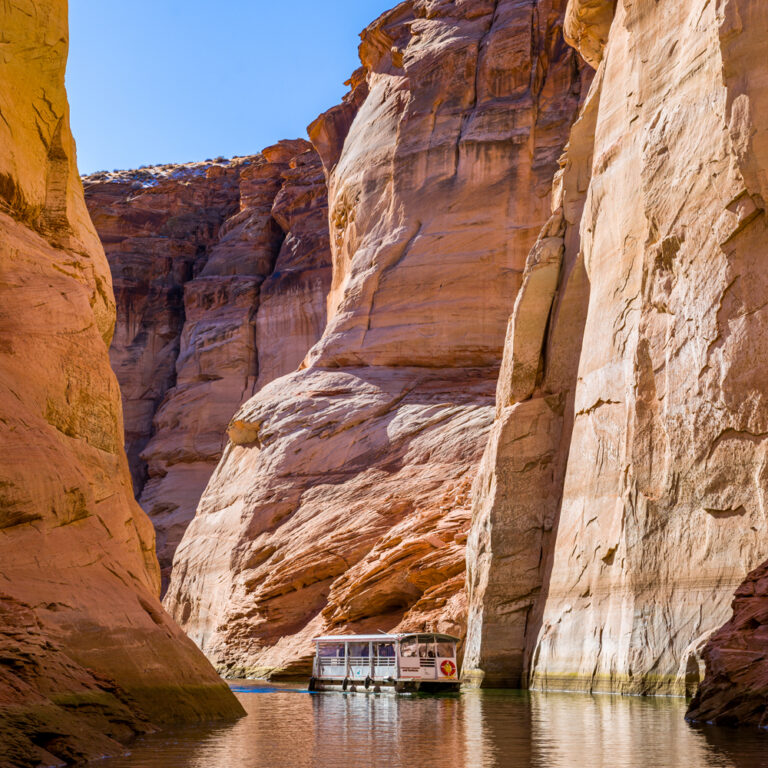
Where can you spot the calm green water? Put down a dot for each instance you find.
(290, 728)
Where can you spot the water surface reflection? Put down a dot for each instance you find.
(290, 728)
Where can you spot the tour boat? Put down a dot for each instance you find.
(402, 663)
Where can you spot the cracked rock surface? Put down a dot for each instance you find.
(622, 499)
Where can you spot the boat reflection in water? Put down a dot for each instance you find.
(291, 728)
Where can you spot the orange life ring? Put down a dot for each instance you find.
(448, 668)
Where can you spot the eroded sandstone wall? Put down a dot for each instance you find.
(662, 512)
(88, 657)
(518, 489)
(158, 226)
(342, 498)
(221, 272)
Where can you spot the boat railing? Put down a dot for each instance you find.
(333, 662)
(334, 666)
(390, 660)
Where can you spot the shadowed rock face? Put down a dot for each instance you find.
(221, 271)
(88, 657)
(617, 581)
(342, 500)
(735, 689)
(158, 227)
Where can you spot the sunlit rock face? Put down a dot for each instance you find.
(587, 25)
(662, 512)
(158, 226)
(221, 271)
(342, 501)
(88, 657)
(517, 492)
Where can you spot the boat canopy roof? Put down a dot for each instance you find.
(382, 638)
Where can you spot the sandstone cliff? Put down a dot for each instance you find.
(88, 657)
(517, 492)
(651, 451)
(342, 498)
(221, 271)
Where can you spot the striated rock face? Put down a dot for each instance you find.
(342, 500)
(221, 271)
(517, 492)
(662, 515)
(88, 657)
(158, 226)
(618, 580)
(735, 689)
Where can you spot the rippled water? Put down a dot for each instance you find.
(291, 728)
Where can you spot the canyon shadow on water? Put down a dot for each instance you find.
(287, 727)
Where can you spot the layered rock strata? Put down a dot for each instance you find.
(158, 226)
(88, 657)
(221, 271)
(659, 514)
(518, 489)
(342, 499)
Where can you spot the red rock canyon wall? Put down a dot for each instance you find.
(611, 503)
(88, 657)
(221, 271)
(342, 499)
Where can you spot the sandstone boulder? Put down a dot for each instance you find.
(735, 689)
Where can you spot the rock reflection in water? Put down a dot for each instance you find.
(290, 728)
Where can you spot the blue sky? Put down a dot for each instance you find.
(158, 81)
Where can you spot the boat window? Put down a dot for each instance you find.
(446, 650)
(330, 650)
(358, 649)
(409, 647)
(384, 649)
(427, 650)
